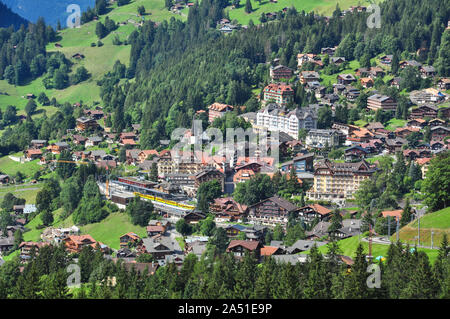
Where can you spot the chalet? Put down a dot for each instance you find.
(344, 232)
(209, 175)
(366, 82)
(405, 131)
(309, 76)
(31, 154)
(227, 209)
(411, 63)
(444, 84)
(153, 230)
(58, 147)
(217, 110)
(271, 211)
(129, 239)
(439, 132)
(132, 156)
(78, 139)
(362, 72)
(338, 88)
(144, 154)
(6, 243)
(239, 247)
(436, 122)
(345, 79)
(319, 231)
(395, 145)
(417, 123)
(127, 136)
(85, 124)
(351, 93)
(329, 51)
(310, 212)
(424, 111)
(355, 152)
(386, 59)
(234, 230)
(330, 99)
(280, 72)
(158, 246)
(303, 245)
(271, 251)
(395, 82)
(377, 101)
(27, 247)
(95, 114)
(376, 71)
(74, 243)
(255, 232)
(93, 141)
(194, 217)
(337, 60)
(427, 71)
(38, 143)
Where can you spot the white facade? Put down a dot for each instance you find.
(274, 119)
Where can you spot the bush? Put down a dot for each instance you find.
(93, 44)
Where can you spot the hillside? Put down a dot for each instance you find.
(348, 248)
(325, 7)
(438, 222)
(8, 17)
(98, 60)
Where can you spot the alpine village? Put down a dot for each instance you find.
(97, 199)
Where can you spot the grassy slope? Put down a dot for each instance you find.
(348, 247)
(438, 222)
(111, 228)
(11, 167)
(319, 6)
(28, 192)
(98, 60)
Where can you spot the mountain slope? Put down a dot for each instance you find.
(50, 10)
(8, 18)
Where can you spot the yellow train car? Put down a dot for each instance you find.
(164, 201)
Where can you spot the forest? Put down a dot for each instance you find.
(182, 67)
(406, 273)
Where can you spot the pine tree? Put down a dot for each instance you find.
(355, 286)
(406, 214)
(248, 7)
(317, 281)
(245, 277)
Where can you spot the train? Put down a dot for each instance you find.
(164, 201)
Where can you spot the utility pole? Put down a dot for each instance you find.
(398, 227)
(432, 233)
(418, 230)
(389, 227)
